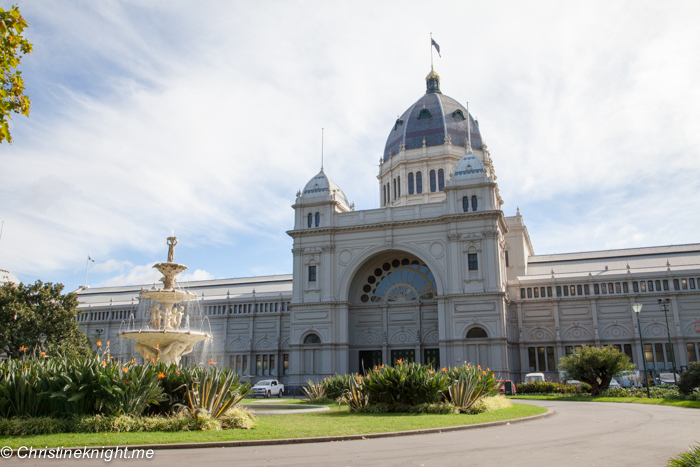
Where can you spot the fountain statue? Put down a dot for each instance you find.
(164, 340)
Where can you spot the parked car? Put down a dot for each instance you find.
(507, 387)
(268, 388)
(614, 384)
(534, 377)
(666, 379)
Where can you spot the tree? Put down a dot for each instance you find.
(690, 379)
(12, 47)
(30, 312)
(596, 366)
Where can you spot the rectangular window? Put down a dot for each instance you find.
(258, 365)
(285, 360)
(473, 263)
(691, 281)
(649, 355)
(692, 357)
(579, 289)
(410, 183)
(569, 350)
(398, 184)
(604, 288)
(618, 287)
(659, 351)
(542, 293)
(431, 357)
(522, 293)
(433, 185)
(405, 355)
(266, 368)
(617, 347)
(586, 289)
(542, 364)
(596, 289)
(676, 285)
(532, 361)
(684, 284)
(419, 182)
(272, 364)
(244, 365)
(665, 284)
(669, 351)
(625, 287)
(577, 348)
(658, 286)
(551, 364)
(537, 292)
(566, 290)
(549, 292)
(573, 290)
(635, 286)
(628, 352)
(643, 286)
(529, 292)
(508, 262)
(650, 286)
(559, 291)
(312, 273)
(610, 288)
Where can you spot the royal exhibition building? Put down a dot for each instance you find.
(437, 274)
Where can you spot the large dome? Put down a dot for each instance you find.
(7, 276)
(322, 188)
(433, 117)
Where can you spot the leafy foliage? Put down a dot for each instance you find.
(314, 390)
(550, 387)
(405, 383)
(12, 47)
(214, 394)
(689, 458)
(469, 385)
(690, 379)
(596, 366)
(356, 397)
(30, 312)
(335, 386)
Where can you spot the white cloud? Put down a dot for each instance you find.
(207, 120)
(197, 275)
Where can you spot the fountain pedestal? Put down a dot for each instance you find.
(163, 340)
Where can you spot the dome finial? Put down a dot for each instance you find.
(433, 81)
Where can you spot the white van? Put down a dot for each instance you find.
(534, 377)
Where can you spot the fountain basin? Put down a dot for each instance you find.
(168, 296)
(165, 345)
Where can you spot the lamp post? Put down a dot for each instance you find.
(637, 307)
(663, 303)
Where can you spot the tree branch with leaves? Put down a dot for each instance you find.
(12, 46)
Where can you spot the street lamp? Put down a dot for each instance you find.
(663, 303)
(637, 307)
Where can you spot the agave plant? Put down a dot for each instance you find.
(214, 393)
(314, 390)
(356, 397)
(470, 385)
(406, 383)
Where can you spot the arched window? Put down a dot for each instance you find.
(419, 182)
(441, 179)
(410, 183)
(432, 181)
(474, 203)
(475, 333)
(310, 218)
(465, 204)
(318, 219)
(394, 188)
(398, 185)
(424, 113)
(312, 339)
(457, 115)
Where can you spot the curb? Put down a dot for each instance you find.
(321, 439)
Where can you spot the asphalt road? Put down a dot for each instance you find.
(579, 434)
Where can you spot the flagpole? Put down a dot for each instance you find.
(321, 149)
(87, 263)
(431, 50)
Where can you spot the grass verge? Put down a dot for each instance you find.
(338, 421)
(620, 400)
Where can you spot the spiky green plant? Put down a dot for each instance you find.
(405, 383)
(335, 386)
(314, 390)
(356, 397)
(689, 458)
(214, 393)
(469, 385)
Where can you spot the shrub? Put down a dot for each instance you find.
(405, 383)
(126, 423)
(214, 394)
(437, 408)
(335, 386)
(357, 397)
(659, 392)
(489, 404)
(690, 379)
(237, 417)
(689, 458)
(32, 426)
(315, 391)
(596, 366)
(547, 387)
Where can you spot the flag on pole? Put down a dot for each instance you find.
(91, 259)
(437, 47)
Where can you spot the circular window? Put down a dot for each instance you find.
(415, 263)
(371, 279)
(386, 266)
(364, 298)
(405, 262)
(396, 263)
(378, 272)
(367, 288)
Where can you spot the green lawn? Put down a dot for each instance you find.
(621, 400)
(338, 421)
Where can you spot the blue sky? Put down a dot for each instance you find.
(205, 117)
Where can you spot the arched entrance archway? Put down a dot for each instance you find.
(393, 312)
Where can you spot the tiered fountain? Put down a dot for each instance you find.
(163, 339)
